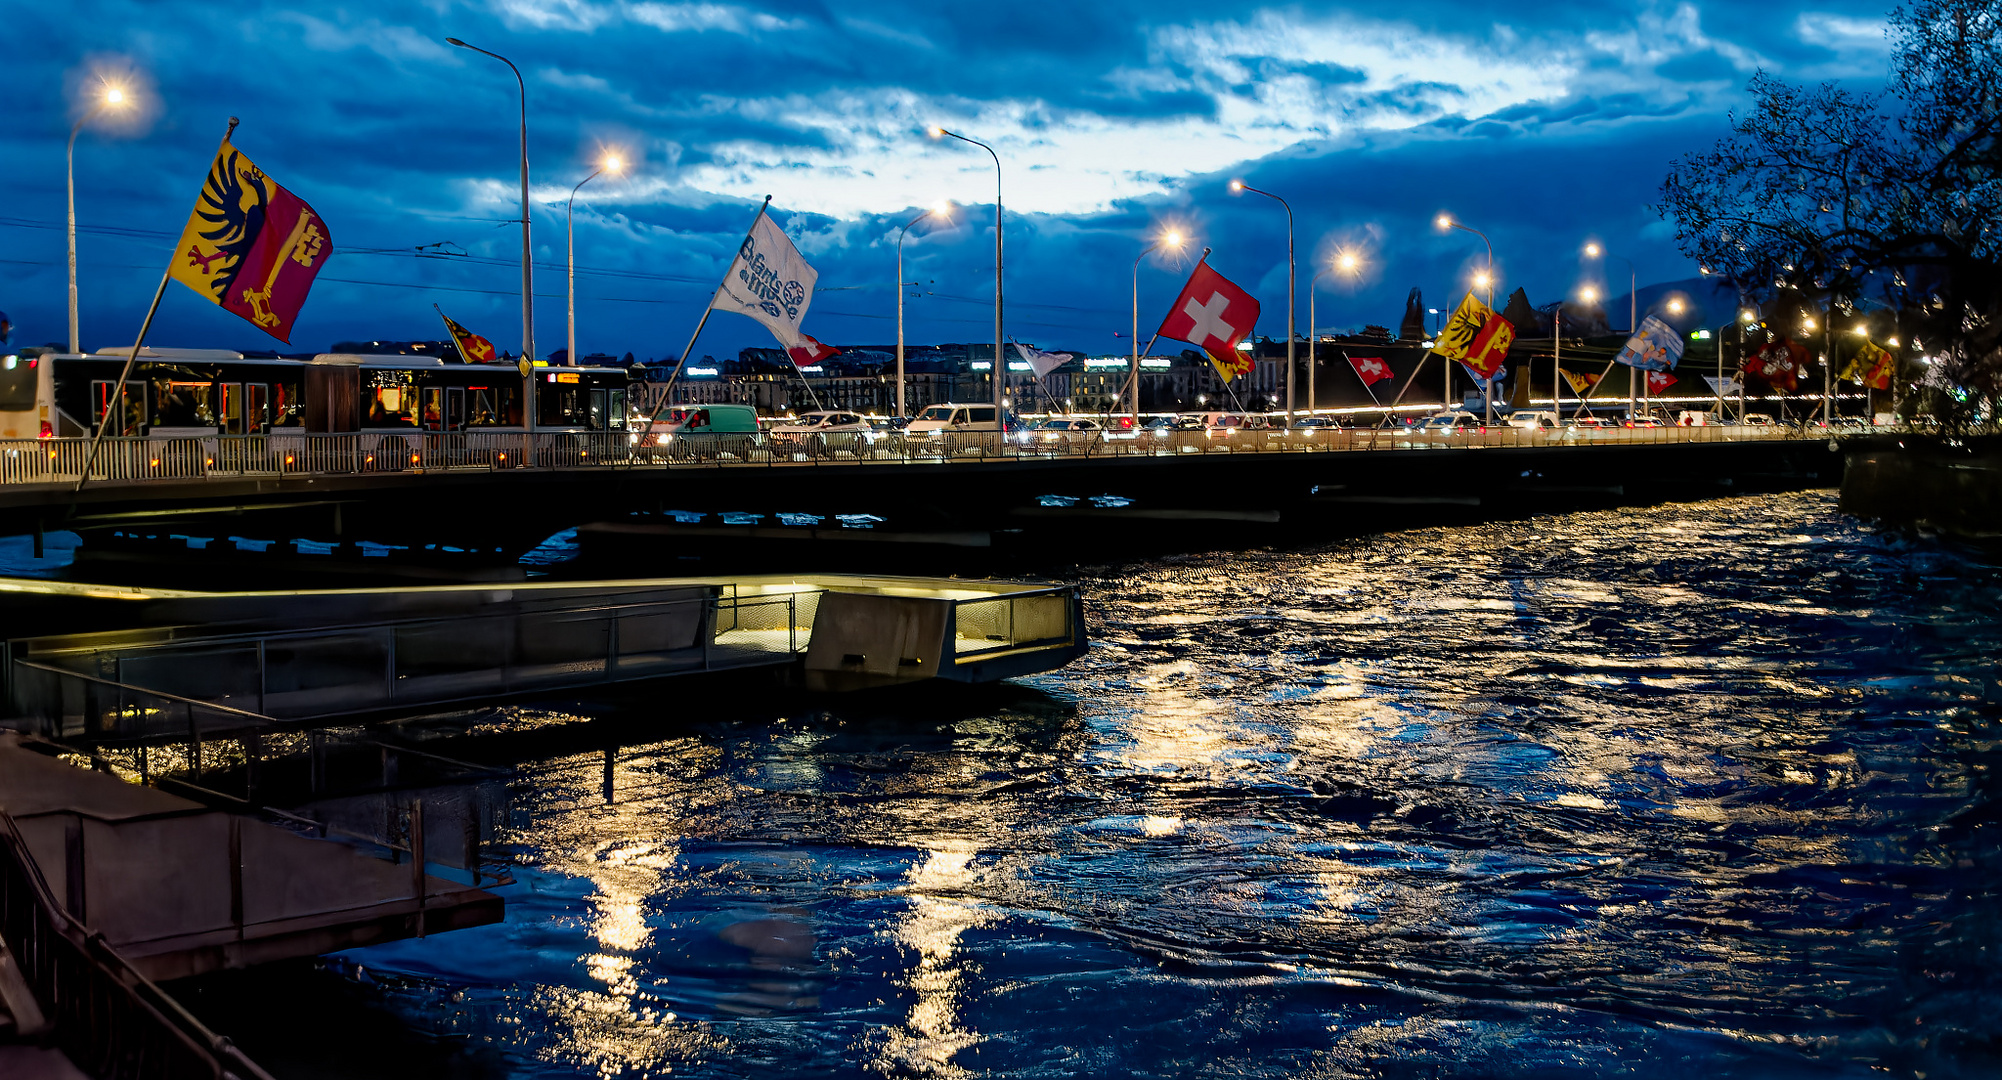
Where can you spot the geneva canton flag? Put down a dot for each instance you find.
(1654, 347)
(250, 246)
(769, 282)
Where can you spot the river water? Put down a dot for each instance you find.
(1694, 790)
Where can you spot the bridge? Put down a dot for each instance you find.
(494, 496)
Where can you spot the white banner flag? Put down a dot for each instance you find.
(769, 282)
(1725, 385)
(1040, 362)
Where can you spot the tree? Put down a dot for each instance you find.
(1822, 197)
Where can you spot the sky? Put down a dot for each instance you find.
(1545, 126)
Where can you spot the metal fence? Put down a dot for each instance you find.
(1011, 622)
(110, 1021)
(61, 461)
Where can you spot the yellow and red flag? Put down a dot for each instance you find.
(1580, 383)
(473, 348)
(251, 247)
(1476, 337)
(1871, 366)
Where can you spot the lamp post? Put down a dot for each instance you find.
(1484, 280)
(1172, 241)
(939, 211)
(1000, 360)
(1346, 262)
(1594, 251)
(527, 249)
(611, 164)
(1240, 186)
(112, 98)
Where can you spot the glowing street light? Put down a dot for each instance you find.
(941, 210)
(1594, 251)
(1237, 186)
(1675, 306)
(612, 164)
(1170, 240)
(113, 98)
(1349, 264)
(1000, 359)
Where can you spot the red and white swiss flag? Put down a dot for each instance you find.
(808, 352)
(1211, 314)
(1371, 369)
(1657, 381)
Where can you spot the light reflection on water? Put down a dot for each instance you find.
(1697, 790)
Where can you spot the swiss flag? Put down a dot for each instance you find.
(1370, 369)
(1657, 381)
(1211, 314)
(808, 352)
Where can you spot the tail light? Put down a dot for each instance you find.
(48, 431)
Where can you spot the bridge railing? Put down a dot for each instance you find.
(278, 454)
(109, 1020)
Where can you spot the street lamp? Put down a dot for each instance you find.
(1172, 240)
(1241, 186)
(1346, 262)
(114, 97)
(1000, 360)
(611, 164)
(941, 210)
(527, 250)
(1594, 251)
(1485, 280)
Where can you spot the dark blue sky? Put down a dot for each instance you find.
(1544, 125)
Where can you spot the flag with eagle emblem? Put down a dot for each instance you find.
(473, 348)
(251, 247)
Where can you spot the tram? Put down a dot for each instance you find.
(192, 393)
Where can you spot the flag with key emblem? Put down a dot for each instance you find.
(1213, 314)
(251, 247)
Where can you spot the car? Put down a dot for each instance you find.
(1645, 421)
(1590, 423)
(953, 418)
(824, 431)
(1458, 422)
(1534, 420)
(1758, 419)
(1314, 423)
(1062, 434)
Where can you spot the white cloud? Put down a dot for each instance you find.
(1842, 33)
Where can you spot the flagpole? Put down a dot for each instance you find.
(668, 391)
(1557, 362)
(125, 373)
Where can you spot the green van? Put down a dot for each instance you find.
(705, 432)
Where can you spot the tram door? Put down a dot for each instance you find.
(257, 408)
(455, 408)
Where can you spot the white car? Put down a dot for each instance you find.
(1459, 422)
(952, 418)
(1535, 420)
(823, 431)
(1061, 434)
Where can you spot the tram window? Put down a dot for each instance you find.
(616, 409)
(230, 397)
(434, 407)
(559, 406)
(100, 397)
(455, 408)
(17, 383)
(287, 405)
(179, 403)
(256, 408)
(392, 406)
(595, 416)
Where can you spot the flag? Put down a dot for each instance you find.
(250, 246)
(1370, 369)
(1477, 337)
(1040, 362)
(1723, 386)
(1579, 383)
(1654, 347)
(1214, 315)
(1778, 364)
(769, 281)
(473, 348)
(1658, 381)
(1871, 366)
(809, 352)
